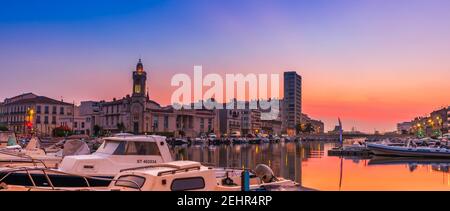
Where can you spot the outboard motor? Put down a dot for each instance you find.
(265, 173)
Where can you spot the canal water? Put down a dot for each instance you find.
(308, 164)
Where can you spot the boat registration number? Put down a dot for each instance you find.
(146, 161)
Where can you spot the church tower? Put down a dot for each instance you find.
(139, 80)
(139, 99)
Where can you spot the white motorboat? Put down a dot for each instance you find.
(187, 176)
(408, 150)
(180, 141)
(32, 153)
(199, 141)
(116, 153)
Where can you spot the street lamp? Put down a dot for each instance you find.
(29, 119)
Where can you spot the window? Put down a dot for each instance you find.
(209, 124)
(54, 110)
(131, 181)
(38, 109)
(193, 183)
(137, 148)
(142, 148)
(75, 124)
(53, 119)
(82, 125)
(155, 123)
(46, 120)
(202, 123)
(166, 122)
(61, 110)
(46, 109)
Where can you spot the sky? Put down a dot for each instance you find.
(373, 63)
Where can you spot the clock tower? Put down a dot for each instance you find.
(139, 79)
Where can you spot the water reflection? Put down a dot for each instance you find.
(308, 164)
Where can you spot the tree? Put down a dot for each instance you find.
(305, 128)
(3, 128)
(309, 128)
(121, 127)
(97, 130)
(62, 131)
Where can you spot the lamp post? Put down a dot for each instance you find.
(29, 120)
(441, 125)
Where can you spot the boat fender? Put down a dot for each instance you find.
(265, 173)
(3, 186)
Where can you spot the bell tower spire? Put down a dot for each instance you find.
(139, 80)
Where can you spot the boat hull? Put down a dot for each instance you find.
(383, 150)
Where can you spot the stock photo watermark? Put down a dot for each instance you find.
(235, 88)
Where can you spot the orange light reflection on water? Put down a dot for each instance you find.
(308, 164)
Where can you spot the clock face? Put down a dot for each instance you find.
(137, 89)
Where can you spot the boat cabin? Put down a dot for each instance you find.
(172, 176)
(185, 176)
(119, 152)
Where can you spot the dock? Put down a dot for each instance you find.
(349, 152)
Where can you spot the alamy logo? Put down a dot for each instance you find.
(235, 88)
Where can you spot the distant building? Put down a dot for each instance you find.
(435, 124)
(404, 127)
(292, 107)
(438, 121)
(90, 110)
(46, 113)
(318, 125)
(273, 127)
(229, 120)
(447, 124)
(251, 120)
(79, 124)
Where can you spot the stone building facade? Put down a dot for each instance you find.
(32, 113)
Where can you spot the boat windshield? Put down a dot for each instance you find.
(129, 148)
(131, 181)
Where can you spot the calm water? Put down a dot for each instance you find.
(308, 164)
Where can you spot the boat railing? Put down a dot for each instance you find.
(156, 165)
(212, 165)
(45, 171)
(31, 159)
(174, 171)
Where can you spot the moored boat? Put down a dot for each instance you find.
(116, 153)
(184, 176)
(408, 151)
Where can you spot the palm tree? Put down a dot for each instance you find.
(309, 128)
